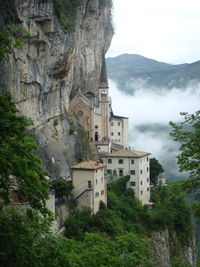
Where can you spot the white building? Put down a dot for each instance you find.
(119, 130)
(89, 184)
(134, 163)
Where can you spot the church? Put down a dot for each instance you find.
(108, 133)
(97, 118)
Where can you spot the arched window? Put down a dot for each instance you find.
(96, 137)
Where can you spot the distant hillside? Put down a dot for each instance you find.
(133, 71)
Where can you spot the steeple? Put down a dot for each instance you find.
(103, 77)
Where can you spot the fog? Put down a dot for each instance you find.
(149, 111)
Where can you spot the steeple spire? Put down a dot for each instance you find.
(103, 77)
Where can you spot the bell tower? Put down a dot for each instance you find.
(104, 101)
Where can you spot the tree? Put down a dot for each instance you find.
(155, 170)
(187, 133)
(62, 188)
(11, 38)
(18, 163)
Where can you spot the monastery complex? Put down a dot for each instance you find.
(111, 156)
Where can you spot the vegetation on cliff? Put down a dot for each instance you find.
(155, 170)
(125, 214)
(18, 163)
(66, 11)
(115, 236)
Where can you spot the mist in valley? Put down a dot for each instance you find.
(149, 111)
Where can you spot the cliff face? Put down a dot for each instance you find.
(52, 66)
(165, 248)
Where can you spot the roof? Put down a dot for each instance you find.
(127, 153)
(116, 117)
(88, 165)
(103, 77)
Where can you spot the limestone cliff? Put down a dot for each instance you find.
(52, 66)
(166, 248)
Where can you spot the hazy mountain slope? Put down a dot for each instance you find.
(133, 71)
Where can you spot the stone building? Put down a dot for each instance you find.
(136, 165)
(89, 184)
(96, 116)
(108, 132)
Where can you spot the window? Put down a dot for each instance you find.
(147, 180)
(96, 137)
(147, 189)
(96, 194)
(141, 192)
(109, 171)
(102, 192)
(147, 169)
(102, 179)
(132, 161)
(96, 126)
(140, 171)
(96, 181)
(120, 161)
(80, 113)
(147, 159)
(132, 172)
(112, 123)
(112, 133)
(89, 184)
(118, 133)
(141, 182)
(132, 184)
(118, 123)
(109, 161)
(121, 173)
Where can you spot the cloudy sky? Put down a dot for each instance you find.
(167, 31)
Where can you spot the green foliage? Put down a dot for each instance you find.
(66, 11)
(62, 188)
(155, 170)
(17, 158)
(177, 262)
(82, 146)
(171, 210)
(21, 237)
(55, 122)
(78, 223)
(188, 136)
(25, 240)
(9, 39)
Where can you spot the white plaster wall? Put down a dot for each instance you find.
(115, 129)
(80, 182)
(121, 139)
(99, 187)
(125, 133)
(140, 164)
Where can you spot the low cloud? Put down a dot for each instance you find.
(149, 113)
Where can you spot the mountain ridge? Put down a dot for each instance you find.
(133, 70)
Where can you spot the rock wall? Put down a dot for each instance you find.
(166, 248)
(52, 66)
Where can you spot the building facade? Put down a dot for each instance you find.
(89, 184)
(136, 165)
(95, 115)
(119, 130)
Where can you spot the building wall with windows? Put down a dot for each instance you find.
(133, 163)
(89, 184)
(119, 130)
